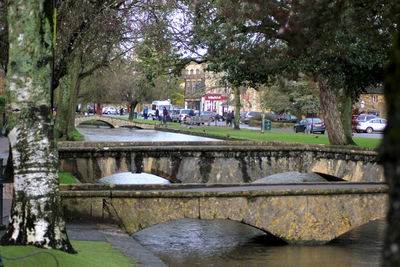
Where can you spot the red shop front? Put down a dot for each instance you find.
(212, 102)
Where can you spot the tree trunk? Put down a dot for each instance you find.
(390, 156)
(133, 105)
(331, 114)
(36, 217)
(237, 108)
(69, 90)
(346, 109)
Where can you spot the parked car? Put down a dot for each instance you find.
(110, 110)
(181, 117)
(203, 117)
(208, 114)
(365, 117)
(174, 114)
(375, 124)
(288, 117)
(248, 115)
(310, 125)
(355, 119)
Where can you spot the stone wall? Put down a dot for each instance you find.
(216, 162)
(310, 215)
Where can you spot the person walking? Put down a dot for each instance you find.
(145, 113)
(157, 114)
(165, 115)
(228, 119)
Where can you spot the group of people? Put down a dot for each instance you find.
(164, 117)
(230, 116)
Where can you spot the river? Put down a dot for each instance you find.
(192, 242)
(223, 243)
(107, 134)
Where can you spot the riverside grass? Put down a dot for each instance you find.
(254, 135)
(66, 178)
(90, 254)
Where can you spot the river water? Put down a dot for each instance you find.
(107, 134)
(223, 243)
(192, 242)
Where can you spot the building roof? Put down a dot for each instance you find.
(378, 89)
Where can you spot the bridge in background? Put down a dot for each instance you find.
(217, 162)
(114, 122)
(297, 214)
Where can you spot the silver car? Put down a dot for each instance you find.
(375, 124)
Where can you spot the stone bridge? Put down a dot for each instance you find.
(297, 214)
(114, 122)
(217, 162)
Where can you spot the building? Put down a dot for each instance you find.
(205, 91)
(372, 102)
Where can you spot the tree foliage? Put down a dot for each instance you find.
(3, 35)
(341, 45)
(296, 97)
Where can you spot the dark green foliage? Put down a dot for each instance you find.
(2, 103)
(342, 45)
(3, 36)
(390, 156)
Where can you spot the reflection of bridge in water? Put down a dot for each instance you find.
(302, 213)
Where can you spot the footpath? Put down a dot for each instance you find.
(90, 231)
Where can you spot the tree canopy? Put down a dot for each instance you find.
(342, 45)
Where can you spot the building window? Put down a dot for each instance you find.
(199, 86)
(374, 99)
(191, 72)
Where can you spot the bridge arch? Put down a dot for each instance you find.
(114, 122)
(310, 215)
(106, 122)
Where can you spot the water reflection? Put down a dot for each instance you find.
(107, 134)
(191, 242)
(133, 178)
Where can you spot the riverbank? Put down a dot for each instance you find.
(228, 133)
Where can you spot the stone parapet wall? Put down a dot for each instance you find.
(216, 162)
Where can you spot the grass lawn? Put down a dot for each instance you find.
(90, 254)
(66, 178)
(254, 135)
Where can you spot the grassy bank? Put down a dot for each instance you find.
(255, 135)
(66, 178)
(90, 254)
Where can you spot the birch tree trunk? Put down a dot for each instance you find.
(36, 217)
(391, 158)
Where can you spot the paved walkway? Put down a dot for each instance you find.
(118, 240)
(92, 231)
